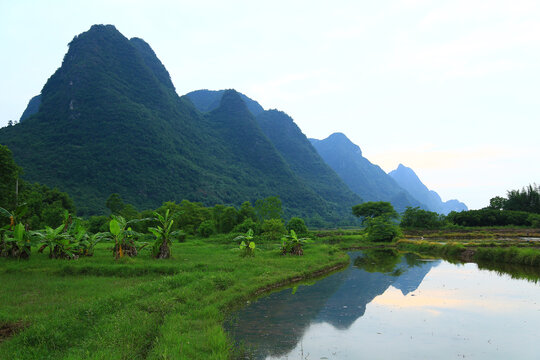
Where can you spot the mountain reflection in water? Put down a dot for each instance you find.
(273, 325)
(391, 305)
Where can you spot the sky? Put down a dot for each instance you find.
(448, 88)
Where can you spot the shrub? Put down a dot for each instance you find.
(382, 229)
(534, 220)
(247, 224)
(414, 217)
(273, 229)
(207, 228)
(298, 225)
(181, 236)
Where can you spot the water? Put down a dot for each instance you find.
(388, 305)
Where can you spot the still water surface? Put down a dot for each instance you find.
(389, 305)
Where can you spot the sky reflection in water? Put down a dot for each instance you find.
(411, 310)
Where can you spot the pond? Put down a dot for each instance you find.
(393, 305)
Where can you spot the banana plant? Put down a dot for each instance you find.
(247, 246)
(124, 237)
(88, 242)
(17, 242)
(15, 239)
(291, 244)
(57, 241)
(163, 235)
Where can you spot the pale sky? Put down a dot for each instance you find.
(448, 88)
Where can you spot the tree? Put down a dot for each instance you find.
(297, 224)
(497, 203)
(378, 216)
(526, 199)
(163, 233)
(228, 220)
(115, 204)
(373, 209)
(9, 172)
(414, 217)
(269, 208)
(246, 211)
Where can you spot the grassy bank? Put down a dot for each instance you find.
(140, 308)
(524, 253)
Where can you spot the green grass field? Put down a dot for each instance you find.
(140, 308)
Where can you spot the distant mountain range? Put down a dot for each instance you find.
(364, 178)
(407, 179)
(109, 120)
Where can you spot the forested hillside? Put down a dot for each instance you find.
(110, 121)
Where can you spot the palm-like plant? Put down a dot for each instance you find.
(247, 246)
(124, 237)
(291, 244)
(163, 234)
(57, 241)
(15, 239)
(17, 242)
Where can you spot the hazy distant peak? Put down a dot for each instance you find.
(407, 178)
(405, 171)
(340, 140)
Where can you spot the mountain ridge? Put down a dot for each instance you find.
(110, 121)
(409, 180)
(367, 180)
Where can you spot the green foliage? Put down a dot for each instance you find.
(372, 209)
(497, 203)
(98, 224)
(163, 233)
(193, 214)
(422, 219)
(15, 241)
(247, 224)
(125, 239)
(297, 224)
(246, 211)
(308, 165)
(269, 208)
(247, 246)
(489, 217)
(534, 220)
(207, 228)
(382, 229)
(128, 310)
(225, 218)
(512, 255)
(9, 172)
(526, 199)
(292, 244)
(115, 204)
(272, 229)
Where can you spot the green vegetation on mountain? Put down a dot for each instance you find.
(208, 100)
(31, 108)
(297, 151)
(110, 121)
(305, 162)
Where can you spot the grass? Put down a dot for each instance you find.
(141, 308)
